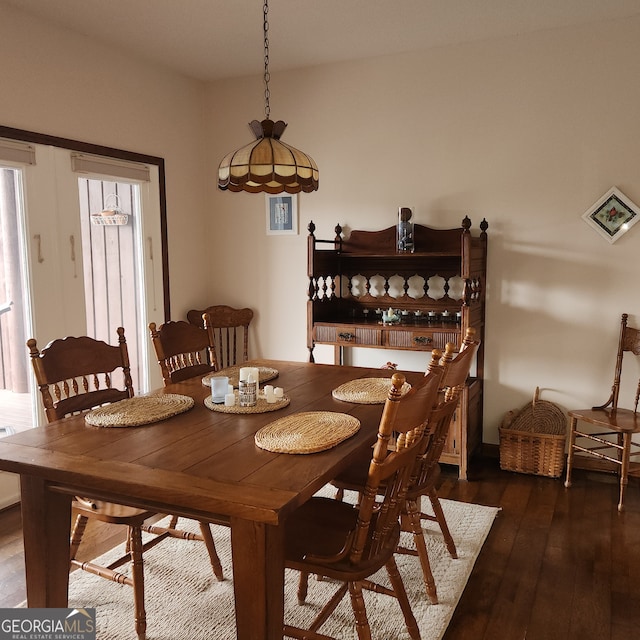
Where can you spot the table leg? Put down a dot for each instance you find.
(258, 576)
(46, 523)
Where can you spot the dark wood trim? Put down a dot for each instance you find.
(9, 507)
(122, 154)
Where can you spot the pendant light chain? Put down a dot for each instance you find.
(267, 164)
(267, 77)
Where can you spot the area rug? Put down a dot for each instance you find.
(184, 601)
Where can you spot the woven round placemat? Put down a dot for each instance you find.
(366, 390)
(136, 411)
(262, 406)
(307, 432)
(233, 373)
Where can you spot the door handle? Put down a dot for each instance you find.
(38, 240)
(72, 240)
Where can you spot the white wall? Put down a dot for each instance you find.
(526, 131)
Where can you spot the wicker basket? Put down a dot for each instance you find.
(532, 440)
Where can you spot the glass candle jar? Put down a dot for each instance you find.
(405, 229)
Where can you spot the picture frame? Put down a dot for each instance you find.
(282, 214)
(612, 215)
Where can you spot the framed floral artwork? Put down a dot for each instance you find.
(612, 215)
(282, 214)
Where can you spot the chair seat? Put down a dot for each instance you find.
(354, 477)
(622, 420)
(111, 512)
(322, 528)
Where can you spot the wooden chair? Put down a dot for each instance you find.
(456, 372)
(426, 474)
(76, 374)
(231, 331)
(350, 543)
(184, 350)
(614, 426)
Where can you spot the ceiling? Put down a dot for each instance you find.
(214, 39)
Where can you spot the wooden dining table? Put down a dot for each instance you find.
(201, 464)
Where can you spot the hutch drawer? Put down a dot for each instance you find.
(347, 334)
(419, 339)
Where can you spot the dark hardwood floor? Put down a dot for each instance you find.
(558, 563)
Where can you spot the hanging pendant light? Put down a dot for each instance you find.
(268, 165)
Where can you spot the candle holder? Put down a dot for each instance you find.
(248, 387)
(390, 316)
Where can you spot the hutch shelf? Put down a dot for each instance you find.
(435, 293)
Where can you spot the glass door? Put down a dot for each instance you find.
(76, 258)
(16, 407)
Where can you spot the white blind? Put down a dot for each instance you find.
(112, 167)
(15, 151)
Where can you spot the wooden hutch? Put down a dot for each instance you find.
(436, 292)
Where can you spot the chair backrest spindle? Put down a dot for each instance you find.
(231, 331)
(69, 370)
(629, 341)
(183, 350)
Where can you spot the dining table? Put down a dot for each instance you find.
(202, 464)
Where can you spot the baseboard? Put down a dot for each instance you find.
(490, 450)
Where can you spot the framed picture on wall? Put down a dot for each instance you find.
(612, 215)
(282, 214)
